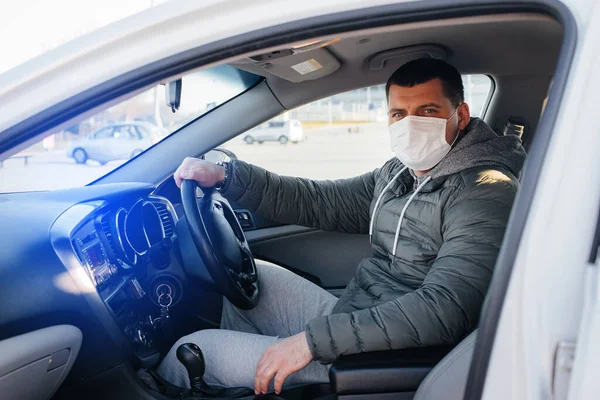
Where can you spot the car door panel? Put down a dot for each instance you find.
(97, 143)
(327, 258)
(263, 134)
(123, 142)
(90, 145)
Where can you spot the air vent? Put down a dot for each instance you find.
(107, 231)
(165, 217)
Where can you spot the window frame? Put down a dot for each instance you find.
(489, 97)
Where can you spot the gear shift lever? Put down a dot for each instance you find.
(190, 355)
(192, 359)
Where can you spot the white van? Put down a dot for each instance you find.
(276, 131)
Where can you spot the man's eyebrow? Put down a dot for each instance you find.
(391, 110)
(435, 105)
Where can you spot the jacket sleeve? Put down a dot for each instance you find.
(340, 205)
(448, 303)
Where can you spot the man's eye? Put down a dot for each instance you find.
(430, 111)
(398, 115)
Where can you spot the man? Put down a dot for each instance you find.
(436, 215)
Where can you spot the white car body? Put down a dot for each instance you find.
(554, 293)
(115, 142)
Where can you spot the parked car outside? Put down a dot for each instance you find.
(115, 142)
(276, 131)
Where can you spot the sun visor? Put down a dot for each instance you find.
(299, 67)
(402, 55)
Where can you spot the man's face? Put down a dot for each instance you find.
(427, 100)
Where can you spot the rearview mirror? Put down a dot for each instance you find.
(173, 94)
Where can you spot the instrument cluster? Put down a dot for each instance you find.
(117, 239)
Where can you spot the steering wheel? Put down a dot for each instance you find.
(222, 245)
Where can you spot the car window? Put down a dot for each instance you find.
(142, 131)
(125, 132)
(66, 158)
(103, 133)
(341, 136)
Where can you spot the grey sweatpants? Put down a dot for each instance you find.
(287, 303)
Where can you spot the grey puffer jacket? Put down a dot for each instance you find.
(428, 276)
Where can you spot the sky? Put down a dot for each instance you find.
(32, 27)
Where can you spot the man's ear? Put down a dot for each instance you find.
(464, 116)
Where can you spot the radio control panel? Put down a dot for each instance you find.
(93, 255)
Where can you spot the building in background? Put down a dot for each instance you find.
(370, 104)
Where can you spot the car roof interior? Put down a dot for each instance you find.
(518, 51)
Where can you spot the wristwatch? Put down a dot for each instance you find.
(225, 165)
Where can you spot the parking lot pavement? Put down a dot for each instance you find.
(327, 153)
(49, 171)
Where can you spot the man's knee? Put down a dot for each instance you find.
(203, 339)
(269, 272)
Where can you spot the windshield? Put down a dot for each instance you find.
(97, 145)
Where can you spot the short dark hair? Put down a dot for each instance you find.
(425, 69)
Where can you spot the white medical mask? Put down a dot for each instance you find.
(420, 142)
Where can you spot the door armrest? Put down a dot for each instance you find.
(384, 371)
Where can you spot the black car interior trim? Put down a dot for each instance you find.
(384, 371)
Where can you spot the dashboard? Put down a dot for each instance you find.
(104, 258)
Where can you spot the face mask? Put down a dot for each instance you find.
(420, 142)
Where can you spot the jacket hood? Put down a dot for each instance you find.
(479, 146)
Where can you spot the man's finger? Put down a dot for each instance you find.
(257, 379)
(265, 376)
(178, 172)
(280, 378)
(260, 371)
(197, 175)
(264, 384)
(177, 177)
(186, 164)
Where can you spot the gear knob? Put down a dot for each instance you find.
(192, 359)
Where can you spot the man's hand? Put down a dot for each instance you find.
(280, 360)
(207, 174)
